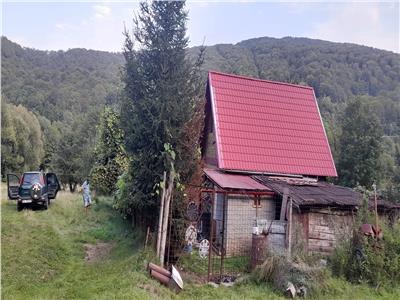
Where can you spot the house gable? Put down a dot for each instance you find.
(266, 127)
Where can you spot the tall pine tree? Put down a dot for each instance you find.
(162, 89)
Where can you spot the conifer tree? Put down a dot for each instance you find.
(162, 101)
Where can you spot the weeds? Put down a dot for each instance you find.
(278, 271)
(364, 259)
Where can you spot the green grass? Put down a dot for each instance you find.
(43, 258)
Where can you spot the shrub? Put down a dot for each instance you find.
(364, 259)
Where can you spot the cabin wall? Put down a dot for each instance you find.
(300, 232)
(241, 217)
(326, 229)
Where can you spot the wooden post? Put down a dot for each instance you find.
(167, 198)
(169, 232)
(147, 237)
(284, 204)
(160, 217)
(290, 229)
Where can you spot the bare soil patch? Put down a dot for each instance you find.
(98, 251)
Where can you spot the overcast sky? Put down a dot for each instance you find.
(99, 25)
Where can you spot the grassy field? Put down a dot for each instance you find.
(43, 257)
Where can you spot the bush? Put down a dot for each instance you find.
(364, 259)
(122, 194)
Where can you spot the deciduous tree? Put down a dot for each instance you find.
(111, 159)
(360, 145)
(21, 139)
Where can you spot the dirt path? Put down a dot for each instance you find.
(98, 252)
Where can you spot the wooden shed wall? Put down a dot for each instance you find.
(320, 231)
(276, 239)
(327, 229)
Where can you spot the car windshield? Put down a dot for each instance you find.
(30, 178)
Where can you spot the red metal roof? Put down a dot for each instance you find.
(267, 126)
(234, 181)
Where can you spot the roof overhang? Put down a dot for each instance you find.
(310, 193)
(234, 181)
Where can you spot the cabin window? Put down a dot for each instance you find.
(257, 201)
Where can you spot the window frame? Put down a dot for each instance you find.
(257, 201)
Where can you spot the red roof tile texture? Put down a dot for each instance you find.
(266, 126)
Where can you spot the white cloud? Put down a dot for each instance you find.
(102, 11)
(361, 23)
(60, 26)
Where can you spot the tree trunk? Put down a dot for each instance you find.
(72, 186)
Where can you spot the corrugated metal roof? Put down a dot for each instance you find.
(383, 204)
(233, 181)
(269, 127)
(313, 193)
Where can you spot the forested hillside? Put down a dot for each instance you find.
(58, 84)
(67, 90)
(334, 70)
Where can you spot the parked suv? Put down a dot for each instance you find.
(32, 188)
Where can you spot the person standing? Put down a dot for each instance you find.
(87, 200)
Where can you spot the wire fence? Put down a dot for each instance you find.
(215, 238)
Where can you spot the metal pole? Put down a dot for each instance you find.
(221, 269)
(211, 237)
(376, 207)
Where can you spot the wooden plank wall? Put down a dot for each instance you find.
(276, 240)
(326, 229)
(300, 231)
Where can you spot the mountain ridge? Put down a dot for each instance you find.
(77, 79)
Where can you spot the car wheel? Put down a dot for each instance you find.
(20, 206)
(46, 204)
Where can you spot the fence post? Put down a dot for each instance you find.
(160, 217)
(211, 237)
(221, 269)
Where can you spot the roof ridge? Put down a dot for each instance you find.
(260, 80)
